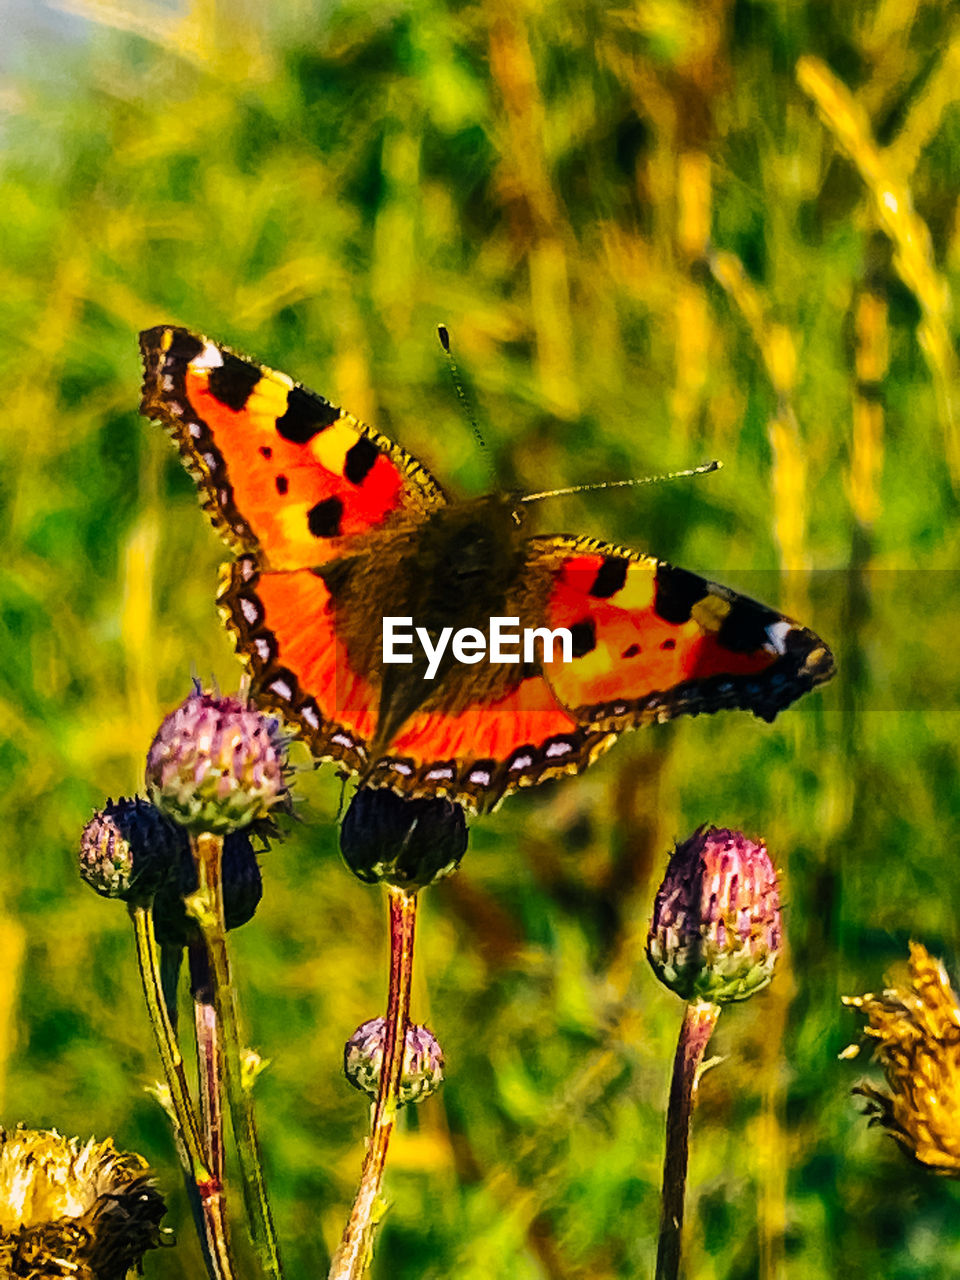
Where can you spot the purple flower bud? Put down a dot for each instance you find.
(216, 764)
(128, 850)
(715, 933)
(422, 1071)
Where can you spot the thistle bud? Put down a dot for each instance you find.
(128, 850)
(216, 765)
(66, 1208)
(242, 890)
(916, 1030)
(422, 1071)
(406, 843)
(715, 933)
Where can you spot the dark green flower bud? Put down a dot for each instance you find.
(715, 933)
(242, 890)
(216, 765)
(407, 843)
(128, 850)
(422, 1070)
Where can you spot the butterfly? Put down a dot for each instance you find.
(335, 528)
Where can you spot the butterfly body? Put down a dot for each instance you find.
(336, 529)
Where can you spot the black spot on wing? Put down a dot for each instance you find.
(744, 629)
(323, 520)
(184, 346)
(583, 635)
(282, 484)
(677, 592)
(233, 381)
(266, 451)
(306, 416)
(631, 651)
(611, 576)
(360, 458)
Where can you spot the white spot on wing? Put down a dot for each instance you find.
(250, 611)
(777, 634)
(282, 689)
(558, 749)
(209, 358)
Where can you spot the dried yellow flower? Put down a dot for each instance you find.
(84, 1211)
(917, 1031)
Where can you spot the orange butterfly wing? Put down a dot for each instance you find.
(283, 472)
(286, 625)
(651, 642)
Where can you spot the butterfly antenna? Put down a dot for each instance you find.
(443, 333)
(704, 469)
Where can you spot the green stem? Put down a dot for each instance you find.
(204, 1189)
(352, 1255)
(699, 1019)
(206, 906)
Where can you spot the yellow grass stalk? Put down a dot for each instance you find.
(789, 479)
(926, 110)
(527, 190)
(872, 358)
(692, 312)
(913, 251)
(12, 948)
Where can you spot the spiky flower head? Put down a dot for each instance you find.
(128, 849)
(916, 1028)
(422, 1071)
(217, 764)
(71, 1209)
(406, 843)
(715, 933)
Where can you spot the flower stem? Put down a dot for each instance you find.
(699, 1020)
(352, 1255)
(210, 1070)
(206, 906)
(204, 1189)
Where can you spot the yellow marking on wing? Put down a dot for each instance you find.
(600, 661)
(269, 396)
(710, 612)
(639, 589)
(293, 520)
(330, 447)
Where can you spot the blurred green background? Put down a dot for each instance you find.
(652, 245)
